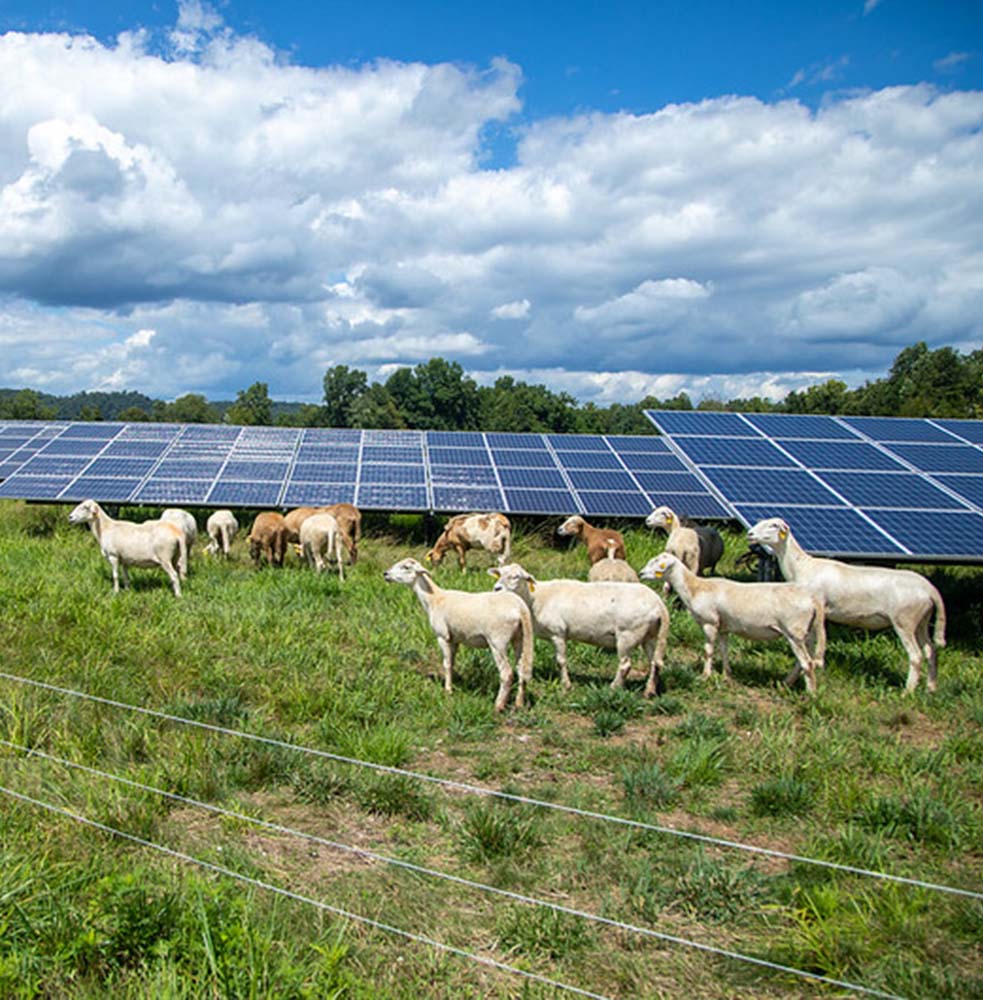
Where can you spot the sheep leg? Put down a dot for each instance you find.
(504, 678)
(341, 560)
(462, 561)
(560, 645)
(928, 652)
(804, 664)
(175, 578)
(723, 640)
(911, 646)
(114, 566)
(624, 648)
(710, 633)
(657, 658)
(447, 649)
(520, 695)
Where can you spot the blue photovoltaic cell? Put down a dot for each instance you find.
(841, 455)
(60, 446)
(615, 503)
(898, 429)
(540, 501)
(691, 504)
(657, 461)
(33, 487)
(174, 491)
(782, 486)
(395, 439)
(5, 453)
(327, 472)
(174, 468)
(330, 435)
(150, 432)
(733, 451)
(231, 492)
(501, 440)
(533, 478)
(459, 456)
(970, 487)
(946, 534)
(795, 425)
(970, 430)
(100, 488)
(588, 460)
(699, 422)
(327, 453)
(826, 530)
(210, 432)
(669, 482)
(524, 459)
(15, 442)
(623, 444)
(8, 469)
(136, 449)
(889, 489)
(461, 498)
(941, 458)
(242, 471)
(92, 430)
(589, 479)
(407, 474)
(42, 465)
(455, 439)
(476, 475)
(318, 494)
(388, 496)
(390, 453)
(577, 442)
(126, 468)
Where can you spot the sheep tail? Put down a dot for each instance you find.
(939, 618)
(528, 647)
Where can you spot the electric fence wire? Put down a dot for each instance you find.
(459, 880)
(507, 796)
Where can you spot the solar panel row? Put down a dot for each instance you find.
(377, 469)
(876, 486)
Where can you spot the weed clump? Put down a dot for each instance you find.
(493, 830)
(786, 795)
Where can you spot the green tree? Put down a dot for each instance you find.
(343, 387)
(192, 408)
(375, 408)
(518, 407)
(436, 395)
(828, 397)
(26, 405)
(253, 406)
(133, 415)
(90, 413)
(306, 415)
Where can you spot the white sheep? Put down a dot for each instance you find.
(753, 610)
(188, 525)
(492, 621)
(222, 527)
(697, 547)
(125, 543)
(870, 597)
(619, 616)
(320, 541)
(612, 570)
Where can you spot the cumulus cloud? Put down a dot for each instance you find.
(194, 211)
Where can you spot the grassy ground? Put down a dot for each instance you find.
(861, 775)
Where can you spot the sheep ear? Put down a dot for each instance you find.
(494, 571)
(532, 586)
(783, 533)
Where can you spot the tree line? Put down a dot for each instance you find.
(439, 395)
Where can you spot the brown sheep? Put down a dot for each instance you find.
(602, 543)
(268, 538)
(491, 532)
(349, 519)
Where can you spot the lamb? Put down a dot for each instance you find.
(222, 527)
(187, 524)
(612, 570)
(753, 610)
(596, 539)
(320, 540)
(125, 543)
(870, 597)
(491, 532)
(619, 616)
(696, 546)
(292, 523)
(349, 519)
(481, 620)
(268, 538)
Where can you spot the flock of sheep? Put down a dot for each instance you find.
(613, 609)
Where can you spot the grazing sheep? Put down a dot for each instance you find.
(222, 527)
(125, 543)
(268, 538)
(187, 524)
(697, 547)
(491, 532)
(484, 620)
(292, 522)
(349, 519)
(599, 541)
(320, 541)
(619, 616)
(611, 570)
(870, 597)
(753, 610)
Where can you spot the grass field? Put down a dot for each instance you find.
(861, 775)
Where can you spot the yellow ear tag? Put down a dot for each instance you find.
(658, 574)
(532, 586)
(783, 534)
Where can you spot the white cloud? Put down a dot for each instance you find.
(869, 5)
(951, 62)
(264, 219)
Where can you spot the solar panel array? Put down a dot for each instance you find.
(873, 486)
(219, 465)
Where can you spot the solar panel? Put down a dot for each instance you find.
(387, 496)
(104, 487)
(465, 498)
(393, 474)
(246, 494)
(91, 430)
(577, 442)
(136, 449)
(326, 472)
(589, 479)
(475, 475)
(677, 422)
(185, 468)
(125, 468)
(617, 504)
(173, 491)
(626, 444)
(540, 501)
(459, 456)
(891, 479)
(455, 439)
(588, 460)
(41, 465)
(502, 440)
(523, 459)
(549, 479)
(691, 505)
(319, 494)
(655, 461)
(60, 446)
(33, 487)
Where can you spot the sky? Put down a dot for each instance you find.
(614, 199)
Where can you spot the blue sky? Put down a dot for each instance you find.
(194, 196)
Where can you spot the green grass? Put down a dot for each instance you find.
(862, 775)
